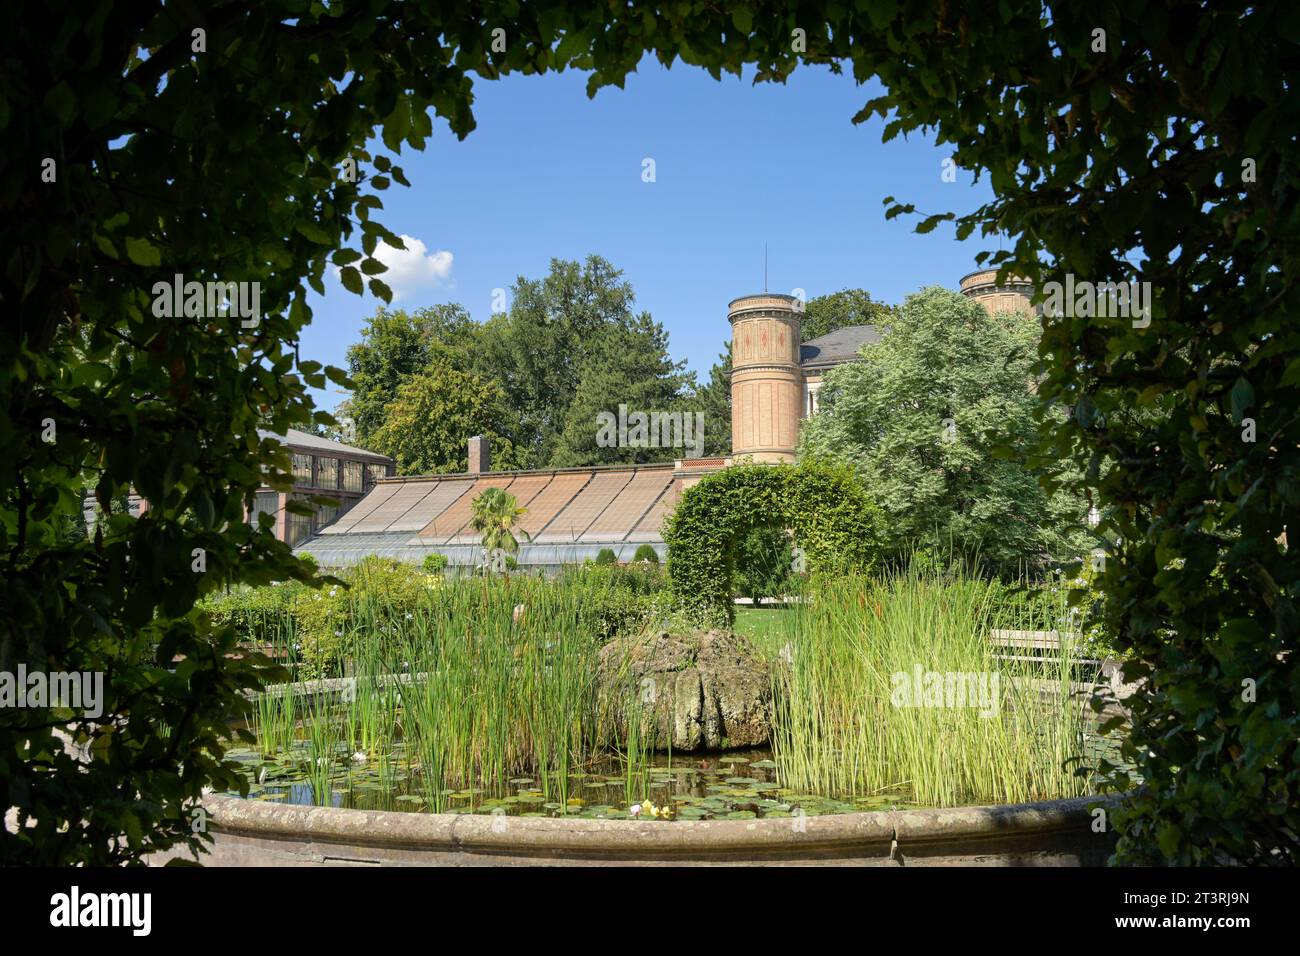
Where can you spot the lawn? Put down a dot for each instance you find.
(768, 627)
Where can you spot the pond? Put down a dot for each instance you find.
(704, 786)
(701, 786)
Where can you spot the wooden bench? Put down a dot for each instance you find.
(1048, 644)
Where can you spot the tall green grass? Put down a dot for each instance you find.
(273, 715)
(479, 694)
(323, 748)
(839, 724)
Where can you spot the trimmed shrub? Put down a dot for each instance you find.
(617, 600)
(319, 620)
(435, 563)
(606, 557)
(258, 615)
(646, 552)
(836, 523)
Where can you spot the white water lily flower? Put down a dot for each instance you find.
(358, 757)
(635, 809)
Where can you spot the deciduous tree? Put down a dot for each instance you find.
(427, 427)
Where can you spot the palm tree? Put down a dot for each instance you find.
(496, 518)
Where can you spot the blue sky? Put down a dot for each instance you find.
(551, 173)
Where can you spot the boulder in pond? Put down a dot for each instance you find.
(707, 690)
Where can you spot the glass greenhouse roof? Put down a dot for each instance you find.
(571, 515)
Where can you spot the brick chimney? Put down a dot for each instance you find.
(480, 455)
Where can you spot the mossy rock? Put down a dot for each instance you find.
(707, 690)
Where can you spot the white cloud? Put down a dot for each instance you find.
(413, 268)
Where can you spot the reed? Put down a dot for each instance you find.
(852, 717)
(637, 747)
(323, 745)
(482, 697)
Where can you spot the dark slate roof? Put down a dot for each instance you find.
(305, 440)
(838, 347)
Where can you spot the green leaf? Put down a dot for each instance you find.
(105, 245)
(99, 106)
(1291, 376)
(142, 252)
(313, 232)
(351, 279)
(1085, 411)
(61, 103)
(1241, 398)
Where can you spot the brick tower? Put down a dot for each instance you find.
(766, 378)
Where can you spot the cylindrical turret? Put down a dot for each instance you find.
(766, 378)
(1012, 296)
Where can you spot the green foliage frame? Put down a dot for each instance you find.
(833, 518)
(1104, 129)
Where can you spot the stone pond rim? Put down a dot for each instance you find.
(1049, 833)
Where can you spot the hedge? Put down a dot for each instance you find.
(833, 518)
